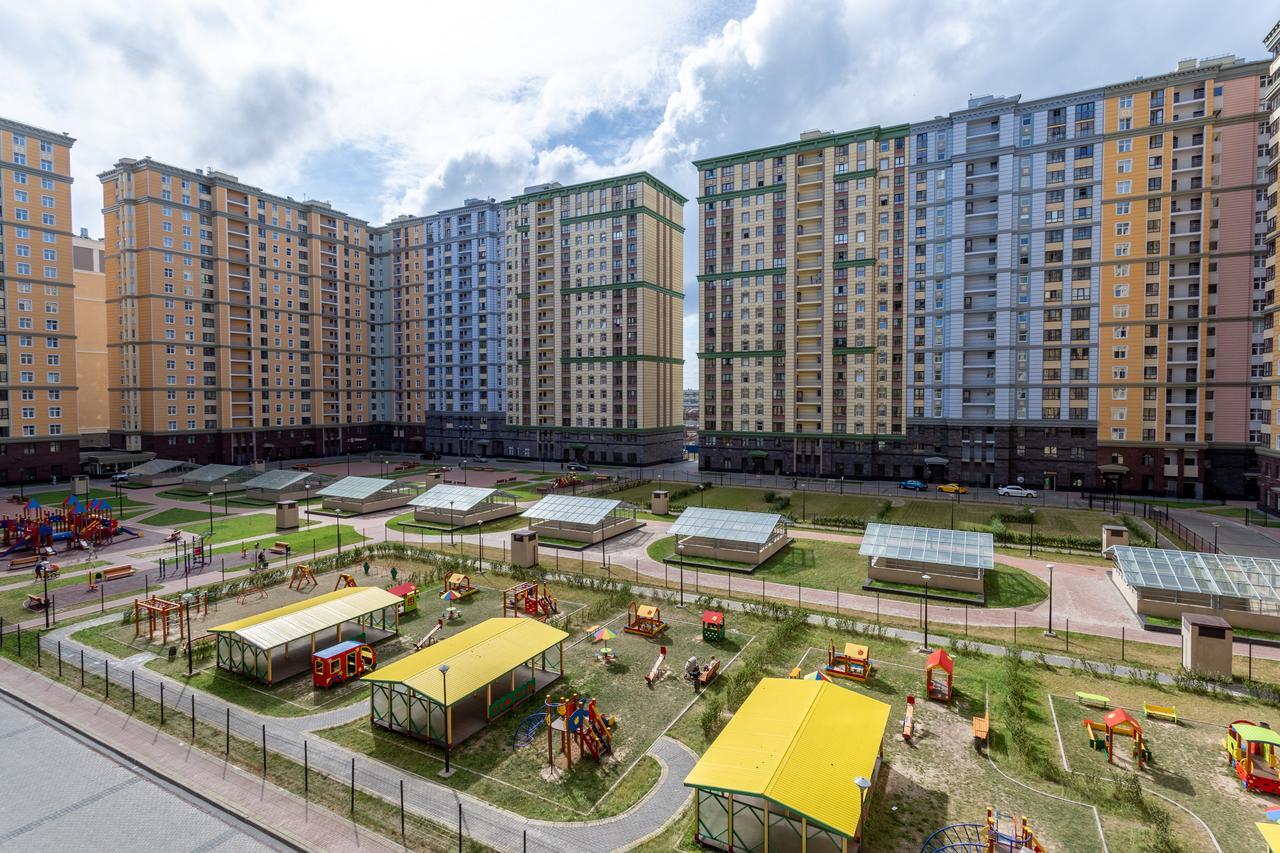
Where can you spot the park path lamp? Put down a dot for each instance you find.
(926, 579)
(43, 566)
(1049, 633)
(444, 689)
(1216, 525)
(211, 512)
(186, 609)
(1031, 541)
(225, 511)
(451, 522)
(864, 790)
(680, 551)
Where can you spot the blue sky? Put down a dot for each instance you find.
(409, 108)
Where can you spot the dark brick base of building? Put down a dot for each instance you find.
(245, 447)
(38, 461)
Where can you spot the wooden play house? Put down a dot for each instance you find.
(458, 584)
(1252, 749)
(408, 597)
(529, 599)
(342, 662)
(939, 669)
(645, 620)
(712, 626)
(854, 662)
(1118, 723)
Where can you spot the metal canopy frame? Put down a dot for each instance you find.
(931, 545)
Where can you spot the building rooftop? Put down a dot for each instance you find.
(929, 545)
(459, 498)
(727, 525)
(570, 509)
(1232, 575)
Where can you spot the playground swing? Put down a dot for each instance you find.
(344, 581)
(302, 578)
(939, 670)
(644, 620)
(1118, 723)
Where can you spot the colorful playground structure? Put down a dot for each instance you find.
(339, 663)
(854, 662)
(1251, 749)
(644, 620)
(76, 522)
(1118, 723)
(712, 626)
(938, 664)
(578, 722)
(529, 599)
(408, 593)
(457, 586)
(1000, 833)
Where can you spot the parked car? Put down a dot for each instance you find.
(913, 485)
(120, 477)
(1012, 491)
(576, 466)
(953, 489)
(481, 460)
(431, 455)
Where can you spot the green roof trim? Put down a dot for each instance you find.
(624, 211)
(851, 176)
(522, 294)
(626, 285)
(772, 188)
(606, 183)
(866, 134)
(742, 353)
(674, 430)
(522, 228)
(833, 436)
(715, 276)
(656, 359)
(851, 350)
(858, 262)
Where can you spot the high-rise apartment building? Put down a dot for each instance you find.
(1068, 292)
(439, 331)
(38, 400)
(802, 251)
(1265, 397)
(88, 259)
(594, 321)
(241, 319)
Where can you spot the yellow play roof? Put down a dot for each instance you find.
(1271, 835)
(476, 656)
(646, 611)
(798, 744)
(303, 618)
(855, 651)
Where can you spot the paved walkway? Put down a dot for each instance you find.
(1233, 535)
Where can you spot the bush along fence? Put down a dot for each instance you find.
(411, 809)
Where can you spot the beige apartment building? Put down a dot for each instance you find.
(1267, 398)
(802, 320)
(240, 318)
(38, 403)
(594, 306)
(88, 259)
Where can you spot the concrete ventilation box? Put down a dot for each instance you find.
(287, 515)
(1206, 644)
(1114, 534)
(524, 549)
(659, 502)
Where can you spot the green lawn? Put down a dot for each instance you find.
(406, 523)
(174, 517)
(304, 542)
(233, 528)
(181, 495)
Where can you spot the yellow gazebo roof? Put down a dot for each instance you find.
(799, 744)
(1270, 834)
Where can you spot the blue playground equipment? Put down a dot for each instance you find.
(1002, 833)
(528, 729)
(955, 838)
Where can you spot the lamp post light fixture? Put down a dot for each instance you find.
(864, 790)
(44, 573)
(211, 512)
(225, 511)
(926, 579)
(444, 689)
(1031, 541)
(680, 551)
(1216, 525)
(451, 522)
(1049, 633)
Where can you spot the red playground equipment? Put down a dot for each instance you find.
(578, 722)
(77, 523)
(1251, 749)
(1118, 723)
(644, 620)
(938, 664)
(909, 721)
(854, 662)
(346, 660)
(529, 599)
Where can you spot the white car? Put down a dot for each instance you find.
(1015, 492)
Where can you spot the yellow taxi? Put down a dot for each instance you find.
(953, 489)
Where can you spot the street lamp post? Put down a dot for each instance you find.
(926, 579)
(680, 551)
(464, 472)
(1031, 541)
(444, 680)
(186, 609)
(1050, 632)
(450, 522)
(44, 573)
(211, 512)
(864, 788)
(1216, 525)
(225, 511)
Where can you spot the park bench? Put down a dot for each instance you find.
(795, 672)
(507, 479)
(981, 728)
(709, 673)
(35, 602)
(1093, 700)
(28, 562)
(1161, 712)
(280, 548)
(116, 572)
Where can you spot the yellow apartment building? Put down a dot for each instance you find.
(88, 258)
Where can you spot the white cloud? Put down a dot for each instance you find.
(407, 108)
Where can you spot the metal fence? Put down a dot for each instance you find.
(427, 815)
(1161, 516)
